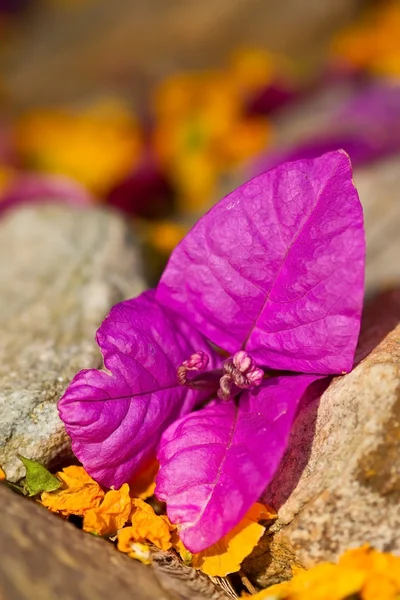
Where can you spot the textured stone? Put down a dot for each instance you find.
(43, 557)
(339, 483)
(379, 189)
(61, 269)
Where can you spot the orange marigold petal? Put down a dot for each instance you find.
(79, 493)
(326, 582)
(275, 592)
(380, 587)
(2, 475)
(111, 515)
(137, 550)
(164, 236)
(72, 142)
(362, 571)
(147, 527)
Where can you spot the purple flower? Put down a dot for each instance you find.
(274, 276)
(366, 126)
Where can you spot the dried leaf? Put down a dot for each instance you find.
(79, 493)
(111, 515)
(37, 478)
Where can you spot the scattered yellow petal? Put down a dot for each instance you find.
(221, 105)
(111, 515)
(370, 574)
(382, 571)
(175, 96)
(164, 236)
(275, 592)
(2, 475)
(380, 587)
(227, 555)
(323, 582)
(79, 493)
(373, 42)
(74, 142)
(254, 68)
(247, 138)
(195, 176)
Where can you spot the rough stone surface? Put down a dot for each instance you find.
(379, 189)
(339, 483)
(61, 269)
(44, 557)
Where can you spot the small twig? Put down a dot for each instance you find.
(247, 583)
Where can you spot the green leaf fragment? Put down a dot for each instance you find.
(37, 478)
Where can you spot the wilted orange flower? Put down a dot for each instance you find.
(202, 128)
(175, 96)
(254, 68)
(97, 146)
(195, 177)
(247, 138)
(164, 236)
(2, 475)
(370, 574)
(78, 494)
(323, 582)
(373, 44)
(111, 515)
(227, 555)
(147, 528)
(382, 572)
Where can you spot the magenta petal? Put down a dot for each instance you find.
(277, 268)
(116, 419)
(215, 463)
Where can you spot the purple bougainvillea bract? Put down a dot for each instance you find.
(274, 276)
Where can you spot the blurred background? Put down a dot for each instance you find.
(158, 108)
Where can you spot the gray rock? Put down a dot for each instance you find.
(61, 269)
(43, 558)
(379, 188)
(339, 483)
